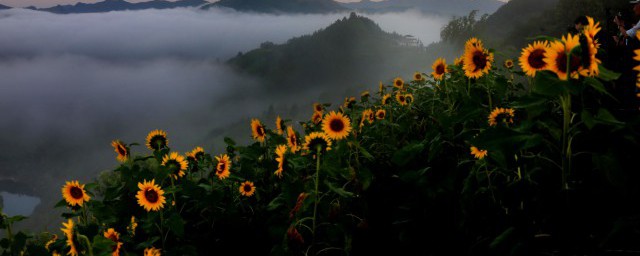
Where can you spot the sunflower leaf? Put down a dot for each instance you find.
(607, 75)
(337, 190)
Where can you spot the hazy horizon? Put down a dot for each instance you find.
(49, 3)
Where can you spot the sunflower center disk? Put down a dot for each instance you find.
(440, 70)
(151, 196)
(121, 150)
(247, 188)
(536, 59)
(336, 125)
(76, 192)
(480, 60)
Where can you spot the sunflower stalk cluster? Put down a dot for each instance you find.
(470, 154)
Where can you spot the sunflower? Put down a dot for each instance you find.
(70, 232)
(223, 166)
(408, 98)
(114, 236)
(364, 94)
(157, 139)
(473, 42)
(590, 63)
(257, 130)
(195, 154)
(591, 30)
(532, 58)
(317, 139)
(386, 99)
(508, 64)
(50, 242)
(381, 114)
(336, 125)
(317, 107)
(502, 115)
(150, 196)
(316, 118)
(281, 150)
(417, 76)
(177, 164)
(557, 57)
(401, 98)
(398, 83)
(439, 69)
(247, 188)
(121, 150)
(152, 252)
(381, 88)
(367, 115)
(459, 61)
(349, 102)
(478, 153)
(132, 227)
(279, 125)
(292, 139)
(74, 193)
(477, 60)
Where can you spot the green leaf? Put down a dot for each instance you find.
(407, 153)
(598, 86)
(176, 225)
(502, 237)
(605, 117)
(587, 118)
(229, 141)
(547, 83)
(340, 191)
(607, 75)
(276, 203)
(15, 219)
(102, 245)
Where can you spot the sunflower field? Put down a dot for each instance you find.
(471, 158)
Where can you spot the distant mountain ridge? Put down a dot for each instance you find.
(347, 52)
(120, 5)
(448, 7)
(280, 6)
(4, 7)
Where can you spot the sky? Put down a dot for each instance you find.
(48, 3)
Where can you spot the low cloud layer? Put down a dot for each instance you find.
(72, 83)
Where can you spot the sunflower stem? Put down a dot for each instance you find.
(87, 243)
(315, 206)
(84, 214)
(469, 87)
(173, 191)
(565, 101)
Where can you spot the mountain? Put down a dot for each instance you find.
(352, 51)
(121, 5)
(279, 6)
(449, 7)
(4, 7)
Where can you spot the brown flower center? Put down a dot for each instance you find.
(247, 188)
(398, 83)
(561, 63)
(479, 60)
(221, 167)
(381, 115)
(401, 99)
(76, 193)
(158, 141)
(440, 69)
(121, 150)
(260, 131)
(151, 195)
(336, 125)
(536, 59)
